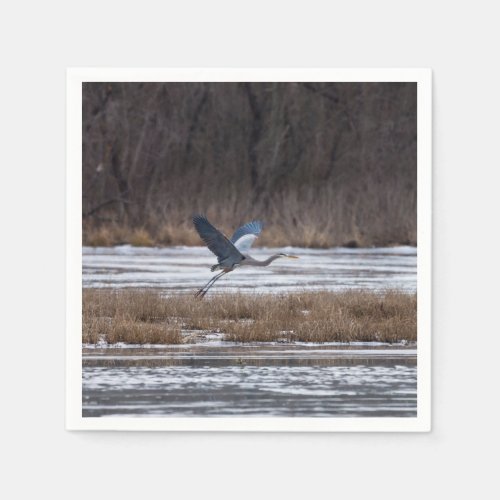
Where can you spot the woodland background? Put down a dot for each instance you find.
(322, 164)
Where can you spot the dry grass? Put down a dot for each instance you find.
(132, 317)
(115, 234)
(315, 219)
(147, 317)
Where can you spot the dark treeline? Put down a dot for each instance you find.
(321, 163)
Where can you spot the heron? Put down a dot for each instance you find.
(231, 253)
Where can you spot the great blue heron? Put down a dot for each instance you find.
(231, 253)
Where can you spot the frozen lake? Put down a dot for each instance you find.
(250, 380)
(185, 269)
(223, 379)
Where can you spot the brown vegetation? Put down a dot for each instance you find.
(322, 164)
(137, 316)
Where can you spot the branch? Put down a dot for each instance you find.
(92, 211)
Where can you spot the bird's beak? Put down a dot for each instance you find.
(292, 256)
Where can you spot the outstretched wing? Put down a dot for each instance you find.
(244, 236)
(216, 242)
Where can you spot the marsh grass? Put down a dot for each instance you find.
(314, 220)
(136, 316)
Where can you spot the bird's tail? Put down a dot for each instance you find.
(215, 267)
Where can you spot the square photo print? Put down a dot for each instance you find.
(249, 249)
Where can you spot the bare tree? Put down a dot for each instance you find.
(336, 159)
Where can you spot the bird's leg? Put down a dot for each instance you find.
(204, 286)
(203, 290)
(211, 283)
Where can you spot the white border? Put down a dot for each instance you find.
(74, 419)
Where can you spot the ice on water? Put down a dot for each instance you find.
(183, 269)
(264, 381)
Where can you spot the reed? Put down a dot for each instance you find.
(317, 218)
(138, 316)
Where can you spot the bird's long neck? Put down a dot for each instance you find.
(266, 262)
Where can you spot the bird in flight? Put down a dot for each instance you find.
(231, 253)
